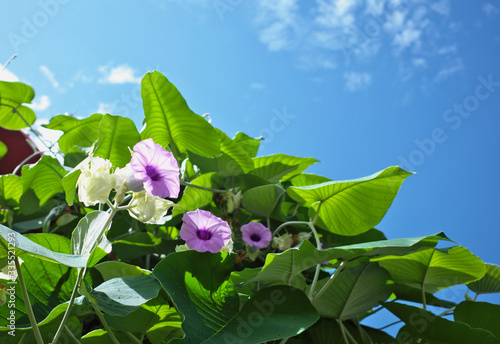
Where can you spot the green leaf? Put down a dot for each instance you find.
(278, 167)
(194, 198)
(271, 313)
(102, 337)
(3, 149)
(249, 144)
(353, 291)
(86, 237)
(169, 120)
(284, 266)
(141, 244)
(264, 201)
(479, 315)
(434, 268)
(69, 185)
(11, 190)
(116, 135)
(77, 132)
(328, 331)
(305, 179)
(489, 283)
(233, 160)
(13, 115)
(45, 178)
(123, 295)
(159, 321)
(423, 324)
(407, 293)
(351, 207)
(199, 286)
(113, 269)
(48, 284)
(22, 243)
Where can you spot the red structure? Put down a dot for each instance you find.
(19, 147)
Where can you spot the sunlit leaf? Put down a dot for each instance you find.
(278, 167)
(489, 283)
(13, 115)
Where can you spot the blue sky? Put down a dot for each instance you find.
(358, 84)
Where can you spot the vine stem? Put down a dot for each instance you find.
(99, 315)
(327, 284)
(289, 223)
(81, 273)
(318, 266)
(27, 303)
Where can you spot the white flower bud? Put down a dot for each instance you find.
(283, 242)
(95, 182)
(149, 209)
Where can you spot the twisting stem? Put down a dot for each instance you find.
(29, 310)
(276, 231)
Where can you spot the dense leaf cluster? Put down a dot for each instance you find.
(339, 270)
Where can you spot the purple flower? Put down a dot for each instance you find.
(204, 232)
(256, 234)
(156, 168)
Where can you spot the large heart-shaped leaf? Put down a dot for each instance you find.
(479, 315)
(25, 245)
(13, 115)
(351, 207)
(434, 268)
(264, 201)
(48, 284)
(86, 237)
(77, 132)
(286, 265)
(278, 167)
(117, 135)
(489, 283)
(169, 120)
(11, 190)
(353, 291)
(45, 178)
(423, 324)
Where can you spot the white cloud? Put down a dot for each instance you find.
(449, 69)
(419, 62)
(357, 81)
(407, 38)
(105, 108)
(441, 7)
(40, 103)
(7, 75)
(279, 24)
(257, 85)
(51, 77)
(490, 10)
(118, 75)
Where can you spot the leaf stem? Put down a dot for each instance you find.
(318, 266)
(284, 224)
(99, 314)
(133, 338)
(29, 310)
(327, 284)
(71, 335)
(81, 273)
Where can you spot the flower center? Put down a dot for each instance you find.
(152, 173)
(255, 237)
(203, 234)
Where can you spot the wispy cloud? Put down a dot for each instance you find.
(105, 108)
(7, 75)
(118, 75)
(52, 78)
(357, 81)
(449, 69)
(257, 85)
(490, 10)
(40, 103)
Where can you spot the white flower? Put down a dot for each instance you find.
(228, 247)
(95, 181)
(181, 248)
(283, 242)
(149, 209)
(120, 177)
